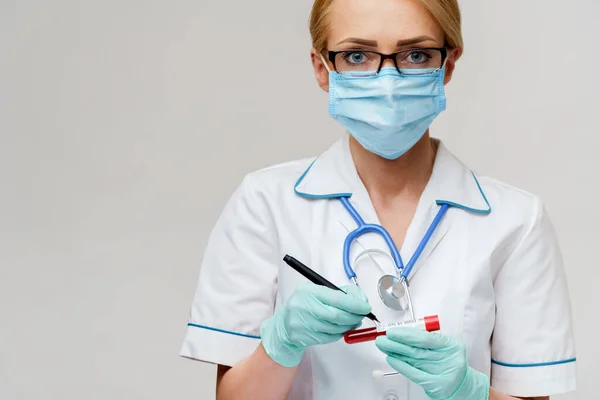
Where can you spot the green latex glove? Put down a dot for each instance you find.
(312, 315)
(435, 362)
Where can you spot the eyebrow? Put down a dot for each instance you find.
(373, 43)
(364, 42)
(415, 40)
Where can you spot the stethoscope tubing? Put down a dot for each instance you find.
(365, 228)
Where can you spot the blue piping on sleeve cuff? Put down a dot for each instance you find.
(223, 331)
(545, 364)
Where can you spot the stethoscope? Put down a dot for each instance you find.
(393, 290)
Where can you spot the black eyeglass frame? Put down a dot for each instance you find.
(393, 56)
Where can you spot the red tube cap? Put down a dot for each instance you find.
(432, 323)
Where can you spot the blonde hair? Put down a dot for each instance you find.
(446, 12)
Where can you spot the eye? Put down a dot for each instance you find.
(418, 57)
(356, 57)
(351, 61)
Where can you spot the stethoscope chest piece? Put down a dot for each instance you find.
(392, 292)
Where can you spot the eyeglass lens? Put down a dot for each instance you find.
(410, 62)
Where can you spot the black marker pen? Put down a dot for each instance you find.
(316, 278)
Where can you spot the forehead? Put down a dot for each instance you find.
(386, 21)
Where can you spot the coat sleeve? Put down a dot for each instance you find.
(236, 288)
(533, 352)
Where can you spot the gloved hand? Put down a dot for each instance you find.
(312, 315)
(435, 362)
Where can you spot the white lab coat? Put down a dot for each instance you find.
(492, 271)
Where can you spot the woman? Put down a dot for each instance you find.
(491, 270)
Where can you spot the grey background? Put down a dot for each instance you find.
(126, 125)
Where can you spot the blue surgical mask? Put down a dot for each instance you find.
(387, 113)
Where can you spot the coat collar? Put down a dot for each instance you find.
(333, 175)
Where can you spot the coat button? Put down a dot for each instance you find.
(390, 396)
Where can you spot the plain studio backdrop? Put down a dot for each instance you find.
(126, 125)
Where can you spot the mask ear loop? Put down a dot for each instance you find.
(324, 63)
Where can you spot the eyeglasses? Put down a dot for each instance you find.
(420, 61)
